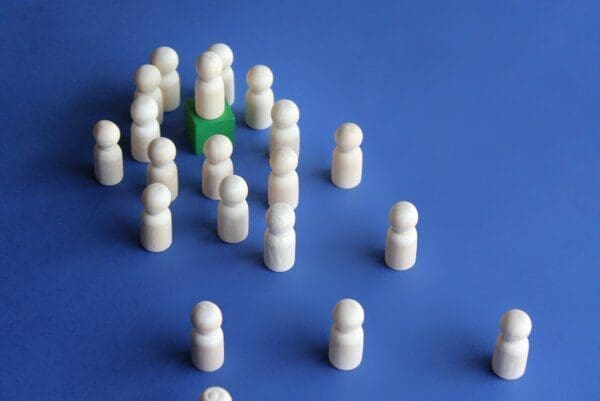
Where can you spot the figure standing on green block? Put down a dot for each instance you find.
(209, 90)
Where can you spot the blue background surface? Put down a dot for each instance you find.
(484, 114)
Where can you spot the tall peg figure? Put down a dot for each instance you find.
(217, 165)
(215, 394)
(259, 97)
(512, 345)
(233, 215)
(145, 126)
(147, 81)
(226, 55)
(283, 184)
(347, 162)
(285, 130)
(401, 243)
(209, 90)
(108, 156)
(208, 345)
(346, 338)
(156, 229)
(162, 167)
(280, 237)
(166, 60)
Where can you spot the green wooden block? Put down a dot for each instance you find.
(199, 129)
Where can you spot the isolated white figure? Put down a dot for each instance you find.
(280, 237)
(215, 394)
(147, 81)
(401, 243)
(285, 130)
(226, 55)
(347, 161)
(162, 167)
(283, 184)
(512, 345)
(217, 165)
(166, 60)
(346, 338)
(209, 90)
(233, 215)
(259, 97)
(145, 126)
(208, 345)
(108, 156)
(156, 228)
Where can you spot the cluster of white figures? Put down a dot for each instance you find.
(157, 91)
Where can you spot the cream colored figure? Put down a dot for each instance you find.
(347, 336)
(347, 162)
(215, 394)
(226, 55)
(108, 156)
(147, 81)
(209, 90)
(259, 97)
(156, 229)
(208, 345)
(145, 126)
(280, 237)
(233, 215)
(162, 167)
(217, 165)
(401, 243)
(285, 131)
(166, 60)
(283, 185)
(512, 345)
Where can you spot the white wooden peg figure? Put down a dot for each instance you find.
(156, 229)
(284, 183)
(217, 165)
(162, 167)
(108, 156)
(512, 345)
(280, 237)
(209, 91)
(208, 345)
(145, 126)
(226, 55)
(166, 60)
(346, 338)
(401, 242)
(259, 97)
(147, 81)
(233, 215)
(215, 394)
(285, 130)
(347, 162)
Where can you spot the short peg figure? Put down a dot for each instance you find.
(162, 167)
(401, 242)
(208, 345)
(108, 156)
(217, 165)
(209, 90)
(347, 161)
(166, 60)
(233, 214)
(280, 237)
(215, 394)
(259, 97)
(283, 184)
(226, 55)
(145, 126)
(285, 130)
(346, 338)
(512, 345)
(147, 81)
(156, 229)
